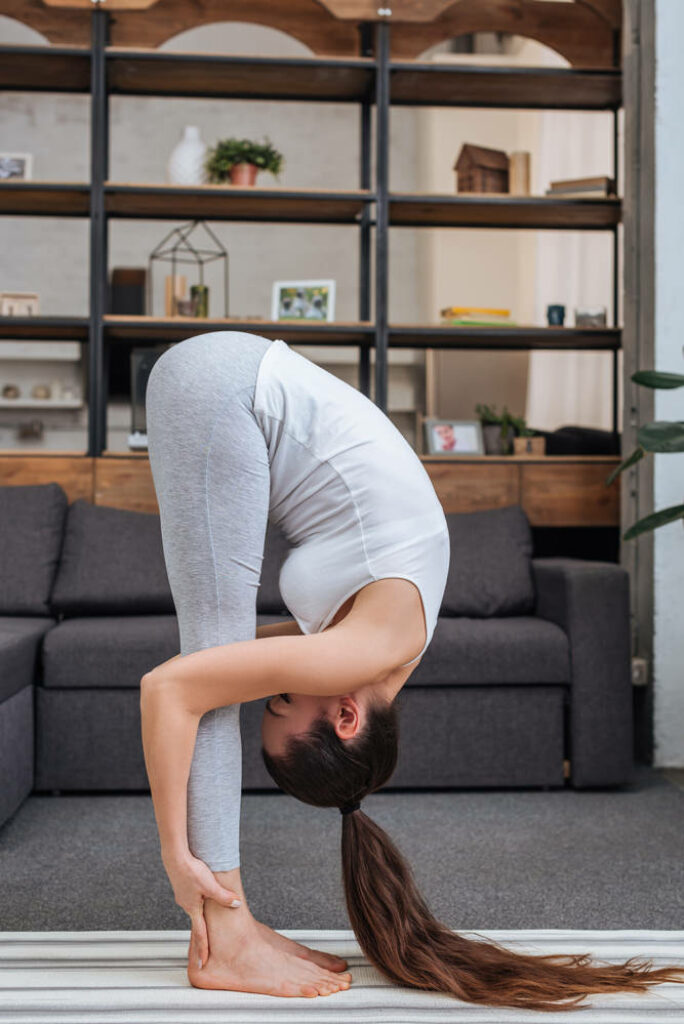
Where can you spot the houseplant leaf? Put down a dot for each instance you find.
(657, 379)
(654, 520)
(636, 455)
(662, 436)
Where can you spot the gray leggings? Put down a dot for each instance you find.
(210, 467)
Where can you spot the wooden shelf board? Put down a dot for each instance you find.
(139, 71)
(44, 328)
(45, 68)
(486, 337)
(608, 460)
(44, 198)
(429, 84)
(151, 72)
(233, 202)
(501, 210)
(39, 403)
(162, 329)
(284, 204)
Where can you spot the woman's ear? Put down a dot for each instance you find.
(347, 718)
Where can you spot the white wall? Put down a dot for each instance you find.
(669, 405)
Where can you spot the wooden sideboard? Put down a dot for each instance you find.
(562, 490)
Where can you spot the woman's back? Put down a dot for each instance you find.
(347, 490)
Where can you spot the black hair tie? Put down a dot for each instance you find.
(349, 808)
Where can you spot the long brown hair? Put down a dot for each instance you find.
(392, 923)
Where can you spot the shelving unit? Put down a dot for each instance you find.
(373, 79)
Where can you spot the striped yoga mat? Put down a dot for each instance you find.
(132, 977)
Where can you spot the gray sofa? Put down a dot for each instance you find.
(529, 665)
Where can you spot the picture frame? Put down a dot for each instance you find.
(16, 166)
(312, 300)
(453, 437)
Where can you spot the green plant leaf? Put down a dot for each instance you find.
(658, 379)
(654, 520)
(662, 436)
(636, 455)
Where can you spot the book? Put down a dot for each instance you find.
(585, 187)
(476, 316)
(599, 181)
(451, 311)
(464, 321)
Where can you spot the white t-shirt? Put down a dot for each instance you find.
(348, 491)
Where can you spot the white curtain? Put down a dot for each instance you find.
(574, 269)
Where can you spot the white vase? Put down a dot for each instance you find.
(186, 163)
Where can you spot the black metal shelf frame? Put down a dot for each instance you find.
(108, 71)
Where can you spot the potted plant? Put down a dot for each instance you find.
(660, 436)
(497, 429)
(239, 161)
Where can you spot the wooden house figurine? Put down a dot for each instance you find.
(479, 169)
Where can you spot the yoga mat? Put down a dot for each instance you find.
(139, 976)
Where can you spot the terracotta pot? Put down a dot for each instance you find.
(243, 174)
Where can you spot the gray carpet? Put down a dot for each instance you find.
(606, 859)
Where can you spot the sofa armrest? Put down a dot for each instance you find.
(589, 600)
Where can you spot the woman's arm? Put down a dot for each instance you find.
(336, 661)
(168, 731)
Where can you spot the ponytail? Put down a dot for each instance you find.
(404, 941)
(393, 925)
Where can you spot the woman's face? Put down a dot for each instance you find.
(292, 714)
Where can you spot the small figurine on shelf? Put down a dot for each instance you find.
(480, 169)
(527, 441)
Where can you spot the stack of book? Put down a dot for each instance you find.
(474, 316)
(598, 187)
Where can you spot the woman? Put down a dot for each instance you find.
(241, 431)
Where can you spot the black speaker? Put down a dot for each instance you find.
(127, 290)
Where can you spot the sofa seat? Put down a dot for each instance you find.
(19, 645)
(107, 651)
(512, 649)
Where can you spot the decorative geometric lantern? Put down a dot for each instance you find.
(178, 247)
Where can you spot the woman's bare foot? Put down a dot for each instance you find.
(242, 959)
(317, 956)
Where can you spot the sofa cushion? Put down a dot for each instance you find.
(19, 644)
(31, 527)
(112, 563)
(513, 649)
(107, 651)
(490, 569)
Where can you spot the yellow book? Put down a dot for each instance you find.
(450, 311)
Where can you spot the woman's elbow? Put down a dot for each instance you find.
(151, 683)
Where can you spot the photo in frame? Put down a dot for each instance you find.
(303, 300)
(453, 437)
(16, 166)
